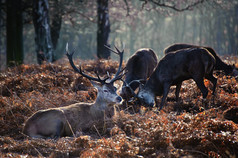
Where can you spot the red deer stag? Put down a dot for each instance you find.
(139, 67)
(220, 65)
(173, 69)
(65, 121)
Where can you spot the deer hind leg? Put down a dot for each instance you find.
(198, 77)
(211, 78)
(200, 83)
(214, 82)
(201, 86)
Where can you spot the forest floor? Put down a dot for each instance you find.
(181, 129)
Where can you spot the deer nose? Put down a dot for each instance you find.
(119, 99)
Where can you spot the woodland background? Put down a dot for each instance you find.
(141, 23)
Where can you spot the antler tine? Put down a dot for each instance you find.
(127, 85)
(122, 45)
(111, 49)
(120, 53)
(120, 74)
(70, 57)
(103, 80)
(67, 50)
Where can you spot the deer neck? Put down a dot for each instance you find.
(97, 109)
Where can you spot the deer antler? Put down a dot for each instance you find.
(70, 57)
(118, 74)
(128, 85)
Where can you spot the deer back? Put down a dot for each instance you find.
(140, 65)
(220, 65)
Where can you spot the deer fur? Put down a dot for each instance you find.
(64, 121)
(173, 69)
(220, 65)
(139, 67)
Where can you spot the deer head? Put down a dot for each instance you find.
(127, 92)
(234, 71)
(106, 90)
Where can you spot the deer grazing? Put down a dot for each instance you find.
(220, 65)
(65, 121)
(173, 69)
(139, 67)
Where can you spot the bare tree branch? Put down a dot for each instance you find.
(173, 6)
(127, 8)
(68, 12)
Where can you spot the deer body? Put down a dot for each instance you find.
(173, 69)
(56, 122)
(139, 67)
(220, 65)
(64, 121)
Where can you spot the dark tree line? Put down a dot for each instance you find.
(46, 31)
(103, 29)
(14, 32)
(46, 15)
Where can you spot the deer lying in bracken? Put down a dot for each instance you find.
(220, 65)
(65, 121)
(139, 67)
(173, 69)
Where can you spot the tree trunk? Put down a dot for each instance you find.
(14, 33)
(56, 25)
(103, 29)
(44, 48)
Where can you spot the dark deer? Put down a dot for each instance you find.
(65, 121)
(139, 67)
(220, 65)
(173, 69)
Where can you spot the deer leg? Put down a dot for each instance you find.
(213, 80)
(165, 94)
(203, 89)
(178, 87)
(201, 86)
(59, 128)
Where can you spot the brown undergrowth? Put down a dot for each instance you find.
(181, 129)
